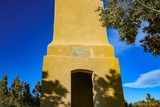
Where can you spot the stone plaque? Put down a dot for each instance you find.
(81, 52)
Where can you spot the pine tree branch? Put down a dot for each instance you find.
(155, 10)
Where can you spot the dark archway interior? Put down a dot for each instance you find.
(81, 89)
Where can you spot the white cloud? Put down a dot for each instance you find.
(147, 80)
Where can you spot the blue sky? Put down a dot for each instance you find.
(26, 30)
(140, 71)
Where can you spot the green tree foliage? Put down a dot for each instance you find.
(130, 105)
(3, 85)
(4, 92)
(148, 102)
(37, 92)
(128, 16)
(149, 98)
(18, 95)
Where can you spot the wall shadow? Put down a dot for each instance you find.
(108, 90)
(53, 93)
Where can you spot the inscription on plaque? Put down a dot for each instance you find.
(81, 52)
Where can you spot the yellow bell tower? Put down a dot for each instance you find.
(80, 69)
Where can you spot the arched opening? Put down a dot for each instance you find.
(81, 89)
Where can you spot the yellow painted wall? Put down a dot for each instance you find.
(80, 43)
(76, 22)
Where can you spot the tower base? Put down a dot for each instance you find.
(93, 68)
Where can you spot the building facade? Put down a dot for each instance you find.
(80, 69)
